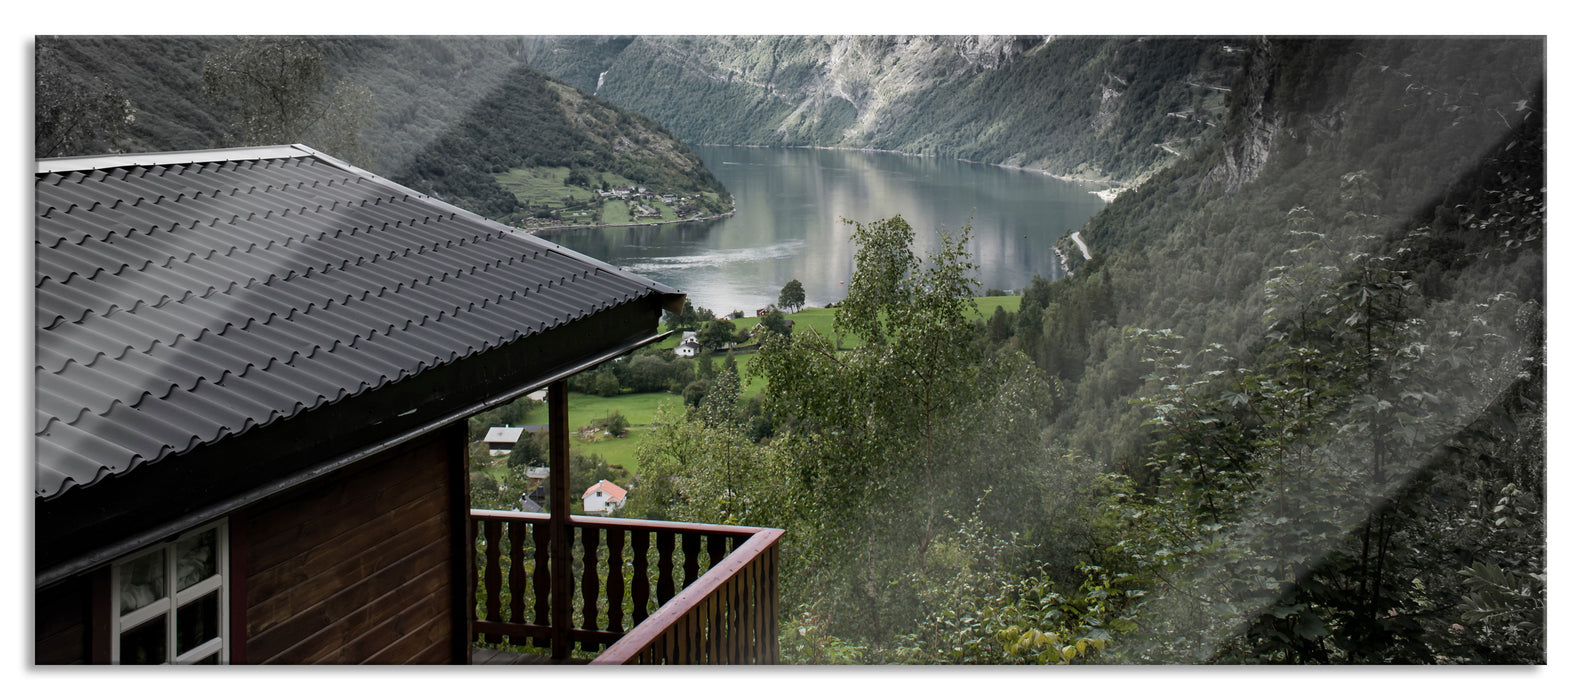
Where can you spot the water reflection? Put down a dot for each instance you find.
(791, 206)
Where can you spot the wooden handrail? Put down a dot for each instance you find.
(726, 608)
(624, 523)
(647, 634)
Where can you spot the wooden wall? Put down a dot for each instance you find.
(61, 622)
(358, 569)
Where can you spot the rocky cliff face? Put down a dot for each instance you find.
(1105, 108)
(1246, 148)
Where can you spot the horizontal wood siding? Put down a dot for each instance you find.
(61, 616)
(356, 570)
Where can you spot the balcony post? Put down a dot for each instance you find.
(559, 508)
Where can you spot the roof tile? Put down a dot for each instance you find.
(180, 303)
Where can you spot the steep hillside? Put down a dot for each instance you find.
(1318, 348)
(1374, 138)
(447, 115)
(1291, 410)
(420, 85)
(1103, 108)
(534, 122)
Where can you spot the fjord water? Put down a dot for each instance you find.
(790, 203)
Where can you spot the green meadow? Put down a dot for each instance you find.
(639, 409)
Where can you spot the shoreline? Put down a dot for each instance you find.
(552, 230)
(1108, 195)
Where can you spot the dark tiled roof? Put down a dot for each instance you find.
(181, 298)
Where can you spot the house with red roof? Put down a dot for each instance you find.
(602, 498)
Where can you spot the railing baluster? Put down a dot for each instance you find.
(716, 550)
(678, 644)
(722, 621)
(491, 574)
(590, 582)
(739, 615)
(716, 633)
(541, 578)
(689, 558)
(768, 627)
(721, 616)
(691, 641)
(773, 578)
(640, 582)
(705, 630)
(667, 566)
(753, 620)
(518, 576)
(615, 580)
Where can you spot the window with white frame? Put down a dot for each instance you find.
(168, 603)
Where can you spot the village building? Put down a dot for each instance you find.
(689, 348)
(603, 498)
(689, 345)
(253, 372)
(501, 439)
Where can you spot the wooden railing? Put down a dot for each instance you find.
(648, 591)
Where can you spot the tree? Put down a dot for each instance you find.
(690, 319)
(75, 114)
(870, 456)
(277, 92)
(775, 322)
(605, 384)
(614, 423)
(1000, 327)
(1350, 491)
(717, 333)
(646, 373)
(529, 451)
(792, 296)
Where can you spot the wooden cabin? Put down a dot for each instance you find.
(253, 373)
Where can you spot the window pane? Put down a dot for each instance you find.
(195, 560)
(142, 581)
(210, 660)
(197, 622)
(144, 644)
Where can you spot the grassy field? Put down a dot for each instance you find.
(822, 321)
(639, 409)
(538, 186)
(986, 304)
(615, 212)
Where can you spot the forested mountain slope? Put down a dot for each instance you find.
(420, 85)
(1382, 138)
(1291, 411)
(1320, 345)
(446, 115)
(1095, 107)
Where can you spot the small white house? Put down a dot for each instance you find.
(501, 439)
(602, 498)
(689, 345)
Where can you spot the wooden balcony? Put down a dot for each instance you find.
(638, 591)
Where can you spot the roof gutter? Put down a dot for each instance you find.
(109, 553)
